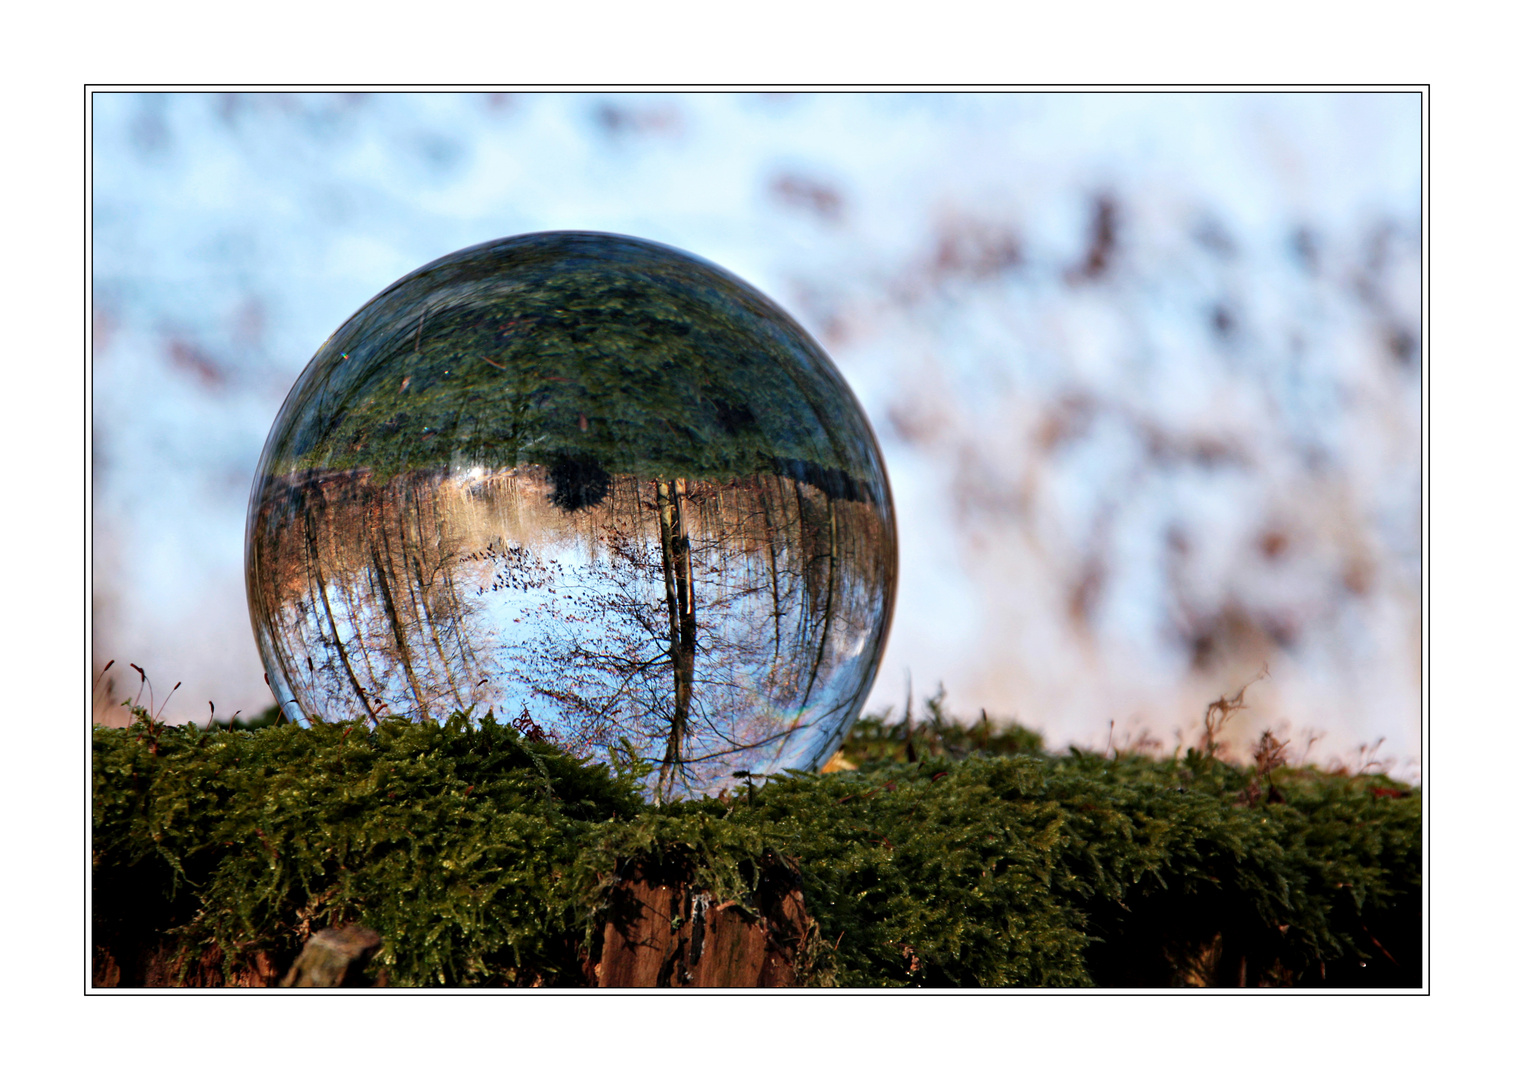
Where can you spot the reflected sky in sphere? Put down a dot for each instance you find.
(590, 483)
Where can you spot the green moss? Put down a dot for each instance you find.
(873, 738)
(484, 859)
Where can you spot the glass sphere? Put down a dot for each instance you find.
(594, 485)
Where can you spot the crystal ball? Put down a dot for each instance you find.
(593, 486)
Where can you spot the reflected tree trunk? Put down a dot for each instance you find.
(426, 601)
(772, 535)
(678, 584)
(830, 596)
(313, 563)
(384, 570)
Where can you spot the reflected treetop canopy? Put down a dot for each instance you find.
(586, 353)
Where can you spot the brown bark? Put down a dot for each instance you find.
(337, 956)
(660, 930)
(664, 932)
(162, 965)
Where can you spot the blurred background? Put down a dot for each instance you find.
(1145, 368)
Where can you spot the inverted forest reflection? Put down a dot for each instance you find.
(719, 626)
(593, 486)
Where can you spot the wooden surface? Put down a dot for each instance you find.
(665, 932)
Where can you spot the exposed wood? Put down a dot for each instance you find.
(662, 931)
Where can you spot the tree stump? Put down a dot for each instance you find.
(663, 932)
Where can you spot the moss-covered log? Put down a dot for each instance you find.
(485, 859)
